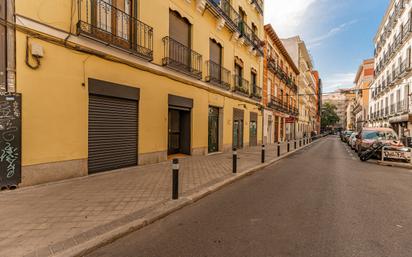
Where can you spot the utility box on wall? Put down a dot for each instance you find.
(10, 140)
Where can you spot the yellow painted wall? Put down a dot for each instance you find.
(55, 104)
(155, 13)
(55, 97)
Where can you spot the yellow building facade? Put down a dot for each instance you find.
(108, 84)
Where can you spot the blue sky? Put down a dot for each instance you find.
(338, 33)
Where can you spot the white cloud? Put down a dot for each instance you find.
(286, 15)
(332, 32)
(338, 81)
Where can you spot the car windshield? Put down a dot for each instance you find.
(385, 135)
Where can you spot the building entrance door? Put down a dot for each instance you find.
(213, 137)
(237, 128)
(179, 131)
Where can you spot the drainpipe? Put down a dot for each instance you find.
(10, 52)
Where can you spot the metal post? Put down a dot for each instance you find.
(295, 144)
(300, 142)
(278, 149)
(263, 153)
(175, 186)
(234, 162)
(288, 146)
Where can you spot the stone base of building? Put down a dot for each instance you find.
(49, 172)
(151, 158)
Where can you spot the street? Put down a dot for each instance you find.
(320, 201)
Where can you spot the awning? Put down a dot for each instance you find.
(401, 118)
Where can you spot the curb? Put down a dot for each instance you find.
(165, 208)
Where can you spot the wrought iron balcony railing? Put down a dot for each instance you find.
(250, 37)
(259, 5)
(278, 104)
(256, 92)
(218, 75)
(392, 109)
(182, 58)
(241, 85)
(101, 21)
(226, 10)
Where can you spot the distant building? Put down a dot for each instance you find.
(306, 85)
(340, 100)
(363, 81)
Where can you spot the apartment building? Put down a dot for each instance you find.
(279, 90)
(306, 85)
(318, 98)
(363, 82)
(108, 84)
(340, 100)
(390, 104)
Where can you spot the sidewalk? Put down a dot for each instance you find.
(49, 220)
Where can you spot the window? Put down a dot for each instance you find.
(238, 74)
(179, 29)
(253, 78)
(215, 65)
(113, 16)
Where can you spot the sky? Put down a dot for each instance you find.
(338, 33)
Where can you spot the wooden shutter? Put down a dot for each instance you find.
(215, 52)
(179, 29)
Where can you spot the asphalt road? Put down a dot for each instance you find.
(320, 201)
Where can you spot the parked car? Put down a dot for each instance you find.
(367, 136)
(352, 140)
(346, 135)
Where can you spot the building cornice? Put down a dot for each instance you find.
(274, 37)
(385, 17)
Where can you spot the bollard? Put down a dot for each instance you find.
(278, 149)
(263, 153)
(288, 146)
(175, 186)
(300, 142)
(295, 144)
(234, 162)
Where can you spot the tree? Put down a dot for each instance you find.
(329, 117)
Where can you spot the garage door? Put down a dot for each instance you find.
(113, 133)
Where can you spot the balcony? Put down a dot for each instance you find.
(405, 67)
(392, 110)
(402, 107)
(278, 104)
(181, 58)
(258, 5)
(218, 75)
(224, 9)
(241, 85)
(407, 28)
(103, 22)
(256, 92)
(250, 37)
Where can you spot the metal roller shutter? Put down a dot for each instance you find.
(113, 130)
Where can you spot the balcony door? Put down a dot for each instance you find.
(216, 60)
(113, 18)
(238, 75)
(180, 33)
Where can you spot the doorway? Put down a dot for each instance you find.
(213, 130)
(237, 128)
(179, 131)
(253, 129)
